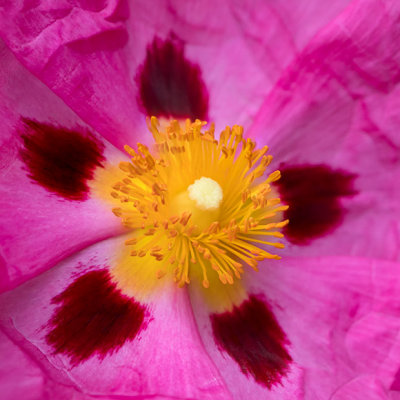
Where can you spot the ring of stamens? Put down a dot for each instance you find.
(175, 233)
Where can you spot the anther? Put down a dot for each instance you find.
(201, 203)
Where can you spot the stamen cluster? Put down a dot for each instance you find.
(248, 213)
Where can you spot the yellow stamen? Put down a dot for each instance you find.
(198, 202)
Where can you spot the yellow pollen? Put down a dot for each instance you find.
(199, 204)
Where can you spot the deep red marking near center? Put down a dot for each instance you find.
(169, 84)
(251, 335)
(59, 159)
(93, 317)
(313, 193)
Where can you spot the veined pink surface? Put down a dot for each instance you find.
(317, 83)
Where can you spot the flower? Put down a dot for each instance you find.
(79, 319)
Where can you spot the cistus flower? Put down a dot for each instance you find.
(147, 254)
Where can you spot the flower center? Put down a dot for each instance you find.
(199, 204)
(201, 200)
(206, 193)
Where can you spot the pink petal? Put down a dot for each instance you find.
(166, 350)
(20, 376)
(247, 378)
(212, 40)
(346, 325)
(368, 385)
(340, 318)
(335, 106)
(277, 31)
(81, 53)
(93, 68)
(39, 228)
(310, 110)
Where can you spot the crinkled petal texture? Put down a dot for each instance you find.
(48, 159)
(332, 120)
(276, 31)
(340, 318)
(76, 334)
(75, 49)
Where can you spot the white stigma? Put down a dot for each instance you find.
(206, 193)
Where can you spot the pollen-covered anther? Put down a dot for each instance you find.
(199, 206)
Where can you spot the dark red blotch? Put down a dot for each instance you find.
(93, 317)
(170, 85)
(59, 159)
(251, 335)
(313, 193)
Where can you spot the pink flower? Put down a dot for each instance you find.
(317, 83)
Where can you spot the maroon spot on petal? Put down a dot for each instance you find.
(170, 85)
(61, 160)
(93, 317)
(251, 335)
(313, 193)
